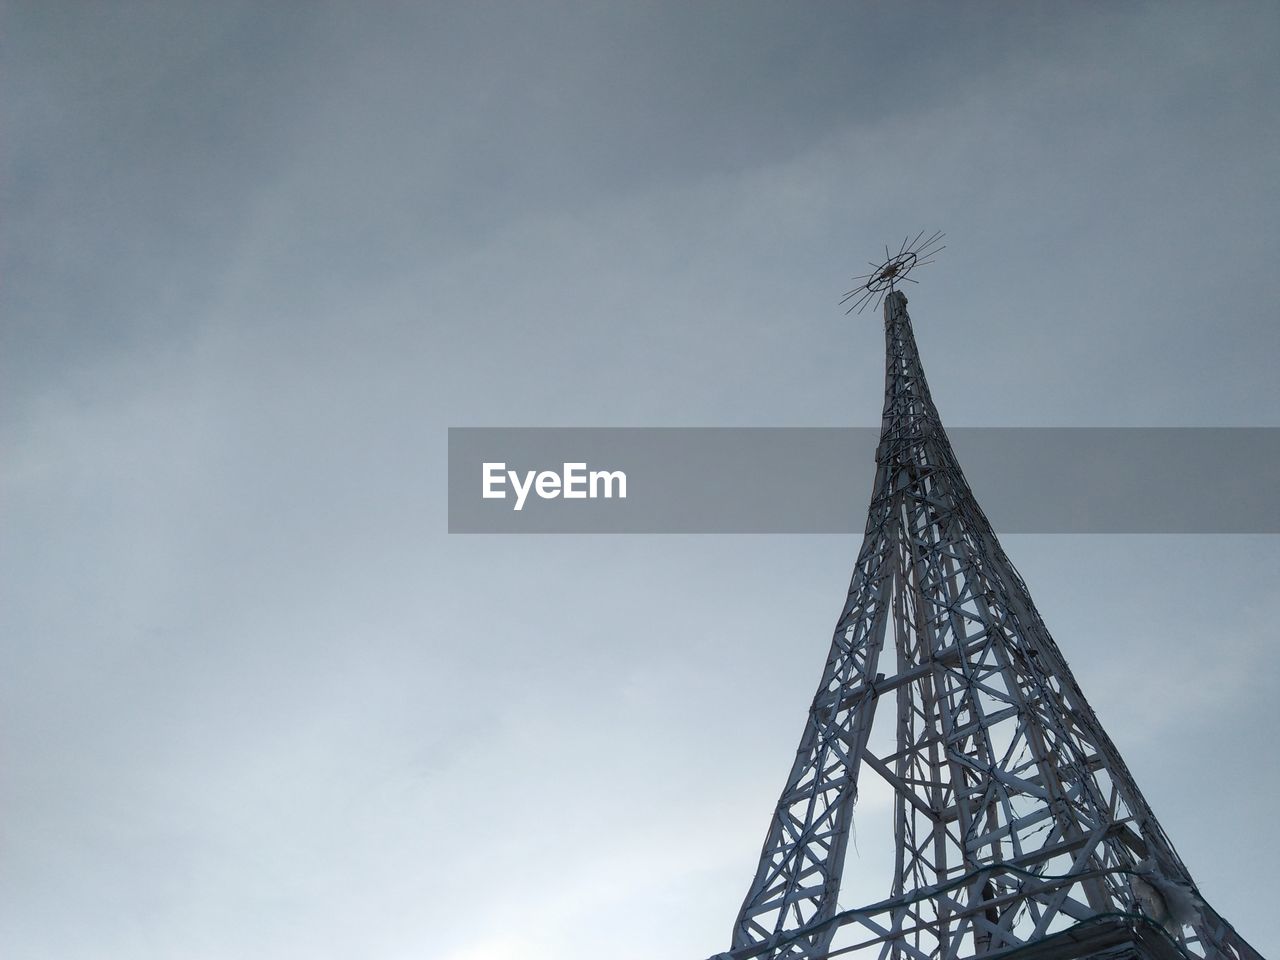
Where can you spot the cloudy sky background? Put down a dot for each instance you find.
(256, 703)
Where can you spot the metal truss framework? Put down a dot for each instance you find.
(1016, 821)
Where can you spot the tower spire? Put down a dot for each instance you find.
(1015, 820)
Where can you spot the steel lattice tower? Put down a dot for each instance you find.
(1018, 829)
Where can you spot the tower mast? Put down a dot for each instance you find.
(1016, 823)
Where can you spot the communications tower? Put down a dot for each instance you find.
(1019, 831)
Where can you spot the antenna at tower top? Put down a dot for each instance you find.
(895, 268)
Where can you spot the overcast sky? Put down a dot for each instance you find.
(256, 703)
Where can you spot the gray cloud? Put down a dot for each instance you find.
(256, 703)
